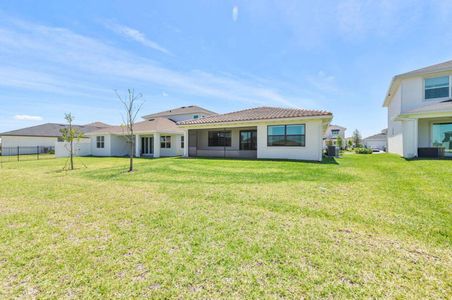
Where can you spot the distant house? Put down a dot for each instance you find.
(262, 132)
(419, 107)
(158, 135)
(332, 133)
(377, 141)
(44, 135)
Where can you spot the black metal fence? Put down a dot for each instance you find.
(21, 153)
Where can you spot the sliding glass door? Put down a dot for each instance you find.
(248, 140)
(147, 145)
(442, 137)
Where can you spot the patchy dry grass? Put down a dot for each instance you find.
(364, 226)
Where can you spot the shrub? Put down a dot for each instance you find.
(363, 151)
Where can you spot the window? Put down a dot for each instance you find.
(335, 132)
(248, 140)
(219, 138)
(442, 137)
(195, 116)
(286, 135)
(437, 87)
(100, 142)
(165, 142)
(182, 142)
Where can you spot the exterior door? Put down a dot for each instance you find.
(442, 137)
(147, 145)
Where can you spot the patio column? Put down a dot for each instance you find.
(186, 143)
(156, 145)
(137, 145)
(410, 137)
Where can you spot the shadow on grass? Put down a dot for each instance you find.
(325, 160)
(427, 158)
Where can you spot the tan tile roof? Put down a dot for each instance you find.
(152, 125)
(192, 109)
(258, 113)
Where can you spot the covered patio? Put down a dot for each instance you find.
(237, 142)
(428, 131)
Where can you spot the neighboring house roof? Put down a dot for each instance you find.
(97, 124)
(377, 137)
(163, 125)
(395, 82)
(444, 66)
(52, 129)
(192, 109)
(259, 113)
(336, 127)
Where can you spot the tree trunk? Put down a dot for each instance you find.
(131, 154)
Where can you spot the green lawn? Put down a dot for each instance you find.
(360, 226)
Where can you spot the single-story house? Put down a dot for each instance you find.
(419, 107)
(44, 136)
(158, 135)
(377, 141)
(263, 133)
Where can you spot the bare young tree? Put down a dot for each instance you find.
(70, 134)
(132, 107)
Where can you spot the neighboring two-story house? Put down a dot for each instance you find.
(332, 133)
(420, 112)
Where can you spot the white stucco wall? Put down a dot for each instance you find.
(28, 141)
(410, 138)
(175, 149)
(311, 151)
(81, 148)
(106, 151)
(412, 93)
(119, 146)
(395, 130)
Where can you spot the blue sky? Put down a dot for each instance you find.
(339, 56)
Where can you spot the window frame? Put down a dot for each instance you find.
(436, 99)
(285, 135)
(338, 131)
(100, 142)
(251, 143)
(182, 142)
(224, 138)
(165, 142)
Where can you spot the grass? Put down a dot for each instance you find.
(361, 226)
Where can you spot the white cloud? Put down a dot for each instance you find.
(27, 118)
(324, 82)
(135, 35)
(65, 62)
(235, 13)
